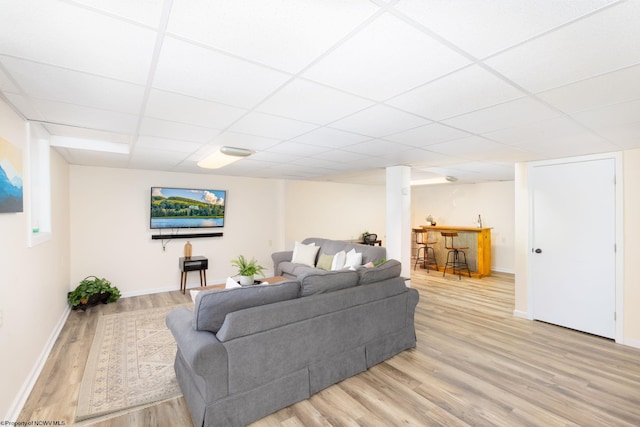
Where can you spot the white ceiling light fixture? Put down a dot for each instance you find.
(223, 157)
(438, 180)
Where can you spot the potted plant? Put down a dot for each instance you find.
(91, 291)
(247, 269)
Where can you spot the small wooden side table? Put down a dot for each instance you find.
(194, 263)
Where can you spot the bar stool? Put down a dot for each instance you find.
(428, 253)
(453, 256)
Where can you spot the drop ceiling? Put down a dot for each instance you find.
(326, 90)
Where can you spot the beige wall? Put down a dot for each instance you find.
(460, 204)
(631, 165)
(111, 237)
(334, 211)
(33, 283)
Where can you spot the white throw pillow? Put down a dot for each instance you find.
(354, 259)
(305, 254)
(339, 260)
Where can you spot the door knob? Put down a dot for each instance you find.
(538, 251)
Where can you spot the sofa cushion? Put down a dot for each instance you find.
(338, 260)
(354, 259)
(324, 262)
(319, 283)
(211, 307)
(386, 270)
(305, 254)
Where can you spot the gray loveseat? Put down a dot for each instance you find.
(283, 265)
(247, 352)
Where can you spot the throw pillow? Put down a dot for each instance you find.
(325, 261)
(338, 260)
(354, 259)
(305, 254)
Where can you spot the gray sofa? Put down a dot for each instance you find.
(284, 267)
(247, 352)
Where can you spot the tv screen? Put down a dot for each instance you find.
(187, 208)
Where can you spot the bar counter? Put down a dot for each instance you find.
(477, 239)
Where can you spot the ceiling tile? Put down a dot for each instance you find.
(482, 27)
(558, 127)
(6, 85)
(164, 144)
(310, 102)
(77, 132)
(328, 137)
(203, 73)
(25, 106)
(184, 109)
(577, 51)
(461, 92)
(59, 84)
(420, 59)
(286, 35)
(148, 158)
(611, 115)
(509, 114)
(607, 89)
(241, 140)
(49, 32)
(466, 147)
(378, 121)
(377, 147)
(174, 130)
(427, 135)
(297, 148)
(91, 118)
(340, 156)
(147, 12)
(625, 136)
(94, 158)
(271, 126)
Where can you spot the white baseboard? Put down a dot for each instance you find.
(521, 314)
(30, 382)
(632, 343)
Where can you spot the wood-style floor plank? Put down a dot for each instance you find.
(475, 364)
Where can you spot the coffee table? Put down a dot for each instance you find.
(269, 280)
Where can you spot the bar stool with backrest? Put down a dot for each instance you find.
(453, 256)
(424, 245)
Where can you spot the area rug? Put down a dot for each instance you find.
(130, 363)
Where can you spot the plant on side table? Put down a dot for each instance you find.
(247, 269)
(91, 291)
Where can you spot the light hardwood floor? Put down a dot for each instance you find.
(475, 364)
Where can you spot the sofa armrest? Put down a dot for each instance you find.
(279, 257)
(201, 350)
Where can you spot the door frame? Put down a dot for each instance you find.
(619, 233)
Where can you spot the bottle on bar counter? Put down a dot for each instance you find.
(479, 221)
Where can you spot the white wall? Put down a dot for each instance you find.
(333, 211)
(33, 282)
(460, 204)
(110, 235)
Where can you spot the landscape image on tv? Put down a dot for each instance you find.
(187, 208)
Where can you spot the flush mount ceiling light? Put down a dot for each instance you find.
(438, 180)
(224, 156)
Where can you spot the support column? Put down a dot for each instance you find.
(398, 239)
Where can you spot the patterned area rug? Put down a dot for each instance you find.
(130, 363)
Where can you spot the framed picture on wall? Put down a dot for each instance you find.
(11, 194)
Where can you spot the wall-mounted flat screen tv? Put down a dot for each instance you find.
(187, 208)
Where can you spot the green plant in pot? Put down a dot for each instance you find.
(91, 291)
(247, 269)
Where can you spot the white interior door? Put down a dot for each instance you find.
(573, 254)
